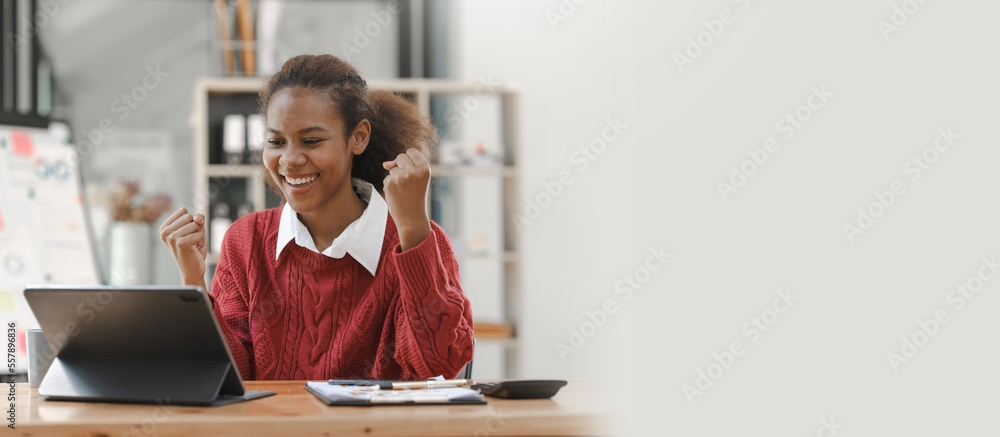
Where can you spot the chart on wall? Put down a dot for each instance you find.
(44, 237)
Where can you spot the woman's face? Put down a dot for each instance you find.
(306, 152)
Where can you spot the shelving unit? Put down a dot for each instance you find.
(216, 97)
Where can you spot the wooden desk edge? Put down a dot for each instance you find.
(294, 411)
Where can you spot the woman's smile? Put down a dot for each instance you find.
(299, 183)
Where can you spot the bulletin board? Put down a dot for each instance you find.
(44, 234)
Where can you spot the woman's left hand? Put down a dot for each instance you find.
(405, 193)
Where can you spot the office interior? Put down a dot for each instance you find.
(147, 94)
(763, 206)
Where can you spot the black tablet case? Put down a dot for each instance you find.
(157, 345)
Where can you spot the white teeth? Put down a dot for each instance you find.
(300, 181)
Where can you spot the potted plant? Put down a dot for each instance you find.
(130, 234)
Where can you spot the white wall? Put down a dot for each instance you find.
(656, 186)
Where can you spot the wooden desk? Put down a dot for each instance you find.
(580, 408)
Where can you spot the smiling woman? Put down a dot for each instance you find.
(338, 283)
(309, 160)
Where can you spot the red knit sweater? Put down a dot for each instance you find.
(310, 316)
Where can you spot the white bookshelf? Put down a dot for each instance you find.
(490, 334)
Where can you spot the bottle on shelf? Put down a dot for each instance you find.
(255, 138)
(219, 225)
(234, 142)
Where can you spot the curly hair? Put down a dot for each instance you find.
(396, 124)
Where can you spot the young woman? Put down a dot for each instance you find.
(339, 282)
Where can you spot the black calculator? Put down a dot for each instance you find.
(523, 389)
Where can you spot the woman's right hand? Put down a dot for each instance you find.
(184, 235)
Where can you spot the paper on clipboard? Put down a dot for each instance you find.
(377, 396)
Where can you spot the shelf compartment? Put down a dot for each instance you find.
(233, 171)
(507, 171)
(507, 257)
(493, 331)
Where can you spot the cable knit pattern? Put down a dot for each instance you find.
(310, 316)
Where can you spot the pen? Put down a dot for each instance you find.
(431, 384)
(387, 385)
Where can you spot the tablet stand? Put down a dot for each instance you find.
(165, 382)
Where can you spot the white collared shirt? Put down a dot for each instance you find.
(362, 238)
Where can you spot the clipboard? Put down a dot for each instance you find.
(368, 403)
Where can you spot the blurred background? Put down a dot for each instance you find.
(634, 188)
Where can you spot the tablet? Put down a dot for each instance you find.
(135, 344)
